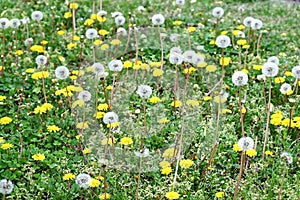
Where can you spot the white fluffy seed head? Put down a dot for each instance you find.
(217, 12)
(144, 91)
(158, 19)
(270, 69)
(37, 15)
(6, 186)
(247, 21)
(287, 157)
(62, 72)
(142, 153)
(189, 55)
(246, 143)
(284, 88)
(83, 180)
(240, 78)
(91, 33)
(4, 23)
(84, 95)
(122, 32)
(296, 72)
(102, 13)
(110, 117)
(41, 60)
(223, 41)
(120, 20)
(256, 24)
(273, 59)
(180, 2)
(175, 58)
(98, 69)
(115, 65)
(14, 23)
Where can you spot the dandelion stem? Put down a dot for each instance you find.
(3, 47)
(281, 183)
(241, 113)
(258, 41)
(268, 119)
(236, 190)
(73, 21)
(162, 48)
(100, 4)
(293, 108)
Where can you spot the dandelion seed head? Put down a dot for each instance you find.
(91, 33)
(115, 65)
(256, 24)
(102, 13)
(14, 23)
(41, 60)
(83, 180)
(84, 95)
(158, 19)
(239, 78)
(98, 69)
(246, 143)
(142, 153)
(61, 72)
(110, 117)
(6, 186)
(4, 23)
(175, 58)
(37, 15)
(189, 56)
(296, 72)
(217, 12)
(223, 41)
(144, 91)
(273, 59)
(180, 2)
(120, 20)
(270, 69)
(287, 157)
(248, 21)
(28, 41)
(122, 32)
(284, 88)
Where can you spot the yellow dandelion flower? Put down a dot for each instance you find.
(102, 106)
(6, 146)
(5, 120)
(166, 170)
(100, 115)
(71, 46)
(257, 67)
(287, 73)
(2, 98)
(211, 68)
(172, 195)
(104, 47)
(279, 80)
(113, 125)
(103, 32)
(101, 18)
(176, 103)
(224, 32)
(104, 196)
(207, 98)
(251, 153)
(163, 120)
(38, 157)
(126, 141)
(191, 102)
(87, 151)
(186, 163)
(94, 183)
(110, 87)
(224, 61)
(68, 176)
(155, 100)
(127, 64)
(191, 29)
(236, 148)
(169, 153)
(67, 15)
(157, 72)
(241, 42)
(164, 164)
(241, 27)
(73, 6)
(82, 125)
(108, 141)
(76, 38)
(220, 194)
(177, 23)
(268, 153)
(53, 128)
(61, 32)
(115, 42)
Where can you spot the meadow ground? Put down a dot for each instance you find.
(149, 99)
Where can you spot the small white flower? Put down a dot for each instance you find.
(115, 65)
(158, 19)
(4, 23)
(239, 78)
(176, 50)
(119, 20)
(110, 117)
(83, 180)
(116, 14)
(256, 24)
(246, 143)
(175, 58)
(217, 12)
(37, 15)
(144, 91)
(25, 20)
(223, 41)
(285, 88)
(28, 41)
(6, 186)
(98, 69)
(84, 95)
(122, 32)
(270, 69)
(102, 13)
(261, 77)
(287, 157)
(296, 72)
(41, 60)
(247, 21)
(189, 55)
(180, 2)
(14, 23)
(273, 59)
(142, 153)
(62, 72)
(91, 33)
